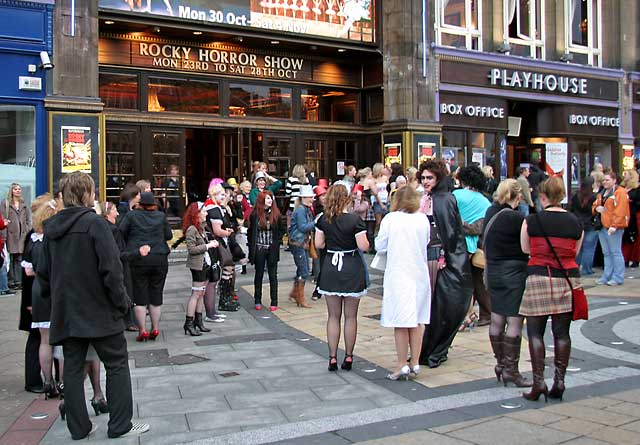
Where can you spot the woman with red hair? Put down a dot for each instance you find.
(199, 263)
(265, 236)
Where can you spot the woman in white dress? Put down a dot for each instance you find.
(406, 303)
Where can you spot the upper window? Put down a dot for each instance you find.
(329, 105)
(119, 90)
(259, 101)
(524, 27)
(458, 23)
(185, 96)
(583, 31)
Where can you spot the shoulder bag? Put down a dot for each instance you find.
(579, 298)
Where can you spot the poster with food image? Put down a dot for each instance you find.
(76, 149)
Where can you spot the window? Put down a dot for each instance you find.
(524, 27)
(186, 96)
(119, 90)
(315, 155)
(259, 101)
(583, 36)
(458, 23)
(18, 149)
(329, 105)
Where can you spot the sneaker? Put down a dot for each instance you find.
(7, 292)
(601, 282)
(221, 316)
(613, 283)
(137, 428)
(217, 320)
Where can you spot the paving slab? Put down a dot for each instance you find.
(252, 417)
(417, 438)
(305, 411)
(271, 398)
(511, 431)
(181, 406)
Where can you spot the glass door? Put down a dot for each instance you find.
(278, 151)
(168, 164)
(315, 156)
(122, 159)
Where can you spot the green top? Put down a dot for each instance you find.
(273, 188)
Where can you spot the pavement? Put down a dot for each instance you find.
(261, 377)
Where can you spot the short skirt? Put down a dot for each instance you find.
(545, 295)
(200, 275)
(344, 277)
(505, 282)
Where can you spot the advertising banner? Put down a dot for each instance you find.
(392, 154)
(351, 20)
(76, 149)
(556, 163)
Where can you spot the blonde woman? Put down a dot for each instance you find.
(41, 306)
(380, 198)
(406, 302)
(292, 188)
(17, 217)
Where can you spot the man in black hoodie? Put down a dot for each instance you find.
(82, 275)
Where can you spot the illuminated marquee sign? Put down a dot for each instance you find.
(351, 20)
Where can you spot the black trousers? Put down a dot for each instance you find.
(32, 378)
(112, 351)
(262, 259)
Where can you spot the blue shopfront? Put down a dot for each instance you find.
(25, 54)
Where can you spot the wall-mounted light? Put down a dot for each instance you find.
(197, 33)
(503, 48)
(275, 42)
(109, 22)
(156, 29)
(341, 50)
(566, 57)
(46, 61)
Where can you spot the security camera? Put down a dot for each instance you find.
(46, 61)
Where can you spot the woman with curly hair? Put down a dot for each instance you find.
(198, 263)
(343, 275)
(265, 236)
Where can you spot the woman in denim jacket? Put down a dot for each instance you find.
(299, 234)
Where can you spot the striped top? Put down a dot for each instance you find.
(292, 190)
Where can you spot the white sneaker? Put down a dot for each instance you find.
(217, 320)
(221, 315)
(137, 428)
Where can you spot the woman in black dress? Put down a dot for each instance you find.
(342, 274)
(41, 307)
(449, 266)
(505, 275)
(146, 231)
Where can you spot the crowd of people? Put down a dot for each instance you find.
(509, 246)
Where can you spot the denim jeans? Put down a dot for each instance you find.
(4, 279)
(524, 209)
(587, 251)
(613, 259)
(301, 258)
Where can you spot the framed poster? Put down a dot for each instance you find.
(75, 144)
(556, 155)
(392, 153)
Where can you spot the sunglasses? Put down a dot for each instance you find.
(428, 177)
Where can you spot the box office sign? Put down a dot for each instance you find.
(352, 20)
(473, 111)
(222, 59)
(525, 79)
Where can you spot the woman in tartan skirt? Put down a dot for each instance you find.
(547, 292)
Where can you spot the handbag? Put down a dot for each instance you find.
(226, 259)
(478, 259)
(379, 261)
(578, 297)
(313, 252)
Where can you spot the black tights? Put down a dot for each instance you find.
(499, 322)
(335, 306)
(560, 324)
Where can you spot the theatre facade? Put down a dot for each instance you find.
(202, 94)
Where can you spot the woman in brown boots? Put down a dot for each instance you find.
(300, 231)
(506, 273)
(553, 238)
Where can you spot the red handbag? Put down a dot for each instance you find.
(578, 297)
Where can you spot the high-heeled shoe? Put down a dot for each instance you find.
(63, 411)
(190, 327)
(415, 370)
(199, 323)
(154, 334)
(403, 374)
(50, 391)
(333, 363)
(99, 406)
(347, 364)
(142, 336)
